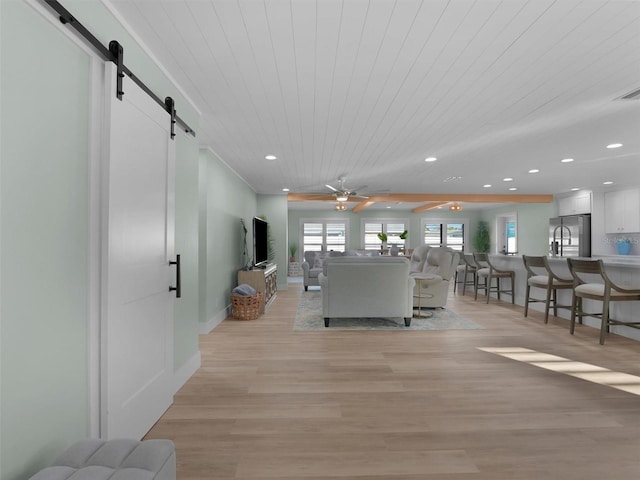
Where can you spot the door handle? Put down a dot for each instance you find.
(178, 287)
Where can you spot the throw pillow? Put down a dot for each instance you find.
(317, 263)
(244, 290)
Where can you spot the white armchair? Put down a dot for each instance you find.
(418, 257)
(439, 267)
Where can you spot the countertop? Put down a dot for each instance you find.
(631, 261)
(622, 260)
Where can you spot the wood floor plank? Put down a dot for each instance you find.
(350, 463)
(271, 403)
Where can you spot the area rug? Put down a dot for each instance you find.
(309, 317)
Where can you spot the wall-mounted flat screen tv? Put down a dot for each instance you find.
(260, 242)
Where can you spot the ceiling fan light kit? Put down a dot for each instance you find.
(342, 193)
(456, 207)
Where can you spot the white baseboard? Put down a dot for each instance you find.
(213, 322)
(185, 372)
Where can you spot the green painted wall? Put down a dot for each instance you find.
(532, 229)
(224, 199)
(274, 208)
(44, 226)
(43, 255)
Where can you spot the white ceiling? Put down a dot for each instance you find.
(367, 90)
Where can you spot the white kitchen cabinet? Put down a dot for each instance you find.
(575, 204)
(622, 211)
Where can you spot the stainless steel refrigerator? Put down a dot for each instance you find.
(570, 236)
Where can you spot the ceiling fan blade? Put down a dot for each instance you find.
(331, 188)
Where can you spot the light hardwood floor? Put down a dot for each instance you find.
(273, 403)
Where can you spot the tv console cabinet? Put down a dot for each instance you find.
(264, 280)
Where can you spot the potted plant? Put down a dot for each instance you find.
(383, 238)
(293, 248)
(482, 240)
(403, 236)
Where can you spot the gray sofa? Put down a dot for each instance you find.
(313, 262)
(367, 287)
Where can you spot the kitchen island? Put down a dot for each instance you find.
(623, 270)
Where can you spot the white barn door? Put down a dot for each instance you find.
(138, 233)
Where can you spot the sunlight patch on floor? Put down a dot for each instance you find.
(585, 371)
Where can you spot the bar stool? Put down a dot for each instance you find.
(466, 267)
(488, 273)
(604, 291)
(549, 282)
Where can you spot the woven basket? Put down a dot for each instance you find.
(246, 307)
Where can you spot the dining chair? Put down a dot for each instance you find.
(466, 267)
(487, 272)
(540, 275)
(590, 281)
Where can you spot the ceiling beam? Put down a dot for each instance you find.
(309, 197)
(429, 206)
(362, 205)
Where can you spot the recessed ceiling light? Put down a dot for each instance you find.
(614, 145)
(388, 206)
(534, 170)
(575, 189)
(270, 157)
(430, 159)
(487, 185)
(508, 179)
(513, 188)
(566, 160)
(285, 189)
(607, 183)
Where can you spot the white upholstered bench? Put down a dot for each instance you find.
(117, 459)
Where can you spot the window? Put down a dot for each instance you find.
(507, 233)
(392, 227)
(324, 235)
(440, 233)
(511, 238)
(432, 234)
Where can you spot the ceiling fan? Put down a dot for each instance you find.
(342, 193)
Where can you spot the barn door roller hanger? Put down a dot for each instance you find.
(115, 54)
